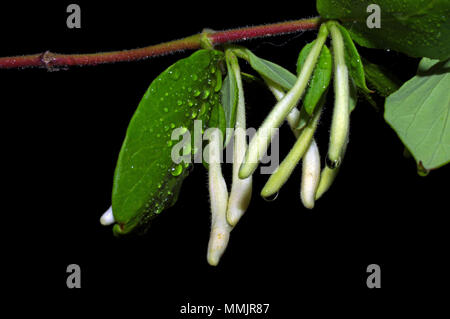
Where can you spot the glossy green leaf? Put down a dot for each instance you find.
(146, 179)
(380, 79)
(320, 80)
(420, 113)
(218, 118)
(271, 71)
(353, 61)
(419, 28)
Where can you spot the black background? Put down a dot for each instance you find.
(61, 134)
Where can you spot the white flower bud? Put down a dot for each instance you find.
(220, 229)
(310, 175)
(107, 217)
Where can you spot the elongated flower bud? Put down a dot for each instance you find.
(241, 189)
(293, 117)
(284, 171)
(107, 218)
(341, 114)
(260, 142)
(310, 175)
(327, 176)
(220, 229)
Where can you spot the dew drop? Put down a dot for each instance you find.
(166, 109)
(218, 83)
(179, 102)
(421, 170)
(205, 95)
(176, 171)
(203, 109)
(332, 164)
(271, 198)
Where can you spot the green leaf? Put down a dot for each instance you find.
(353, 61)
(230, 96)
(218, 118)
(353, 96)
(320, 79)
(146, 179)
(304, 118)
(271, 71)
(250, 78)
(419, 28)
(383, 81)
(420, 114)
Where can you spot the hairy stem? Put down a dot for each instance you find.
(207, 38)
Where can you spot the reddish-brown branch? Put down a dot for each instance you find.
(50, 60)
(263, 30)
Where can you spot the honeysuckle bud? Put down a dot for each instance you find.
(327, 176)
(293, 117)
(260, 142)
(220, 229)
(341, 114)
(310, 175)
(107, 217)
(282, 173)
(241, 189)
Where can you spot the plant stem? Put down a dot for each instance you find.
(51, 60)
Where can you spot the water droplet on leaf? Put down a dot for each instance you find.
(176, 171)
